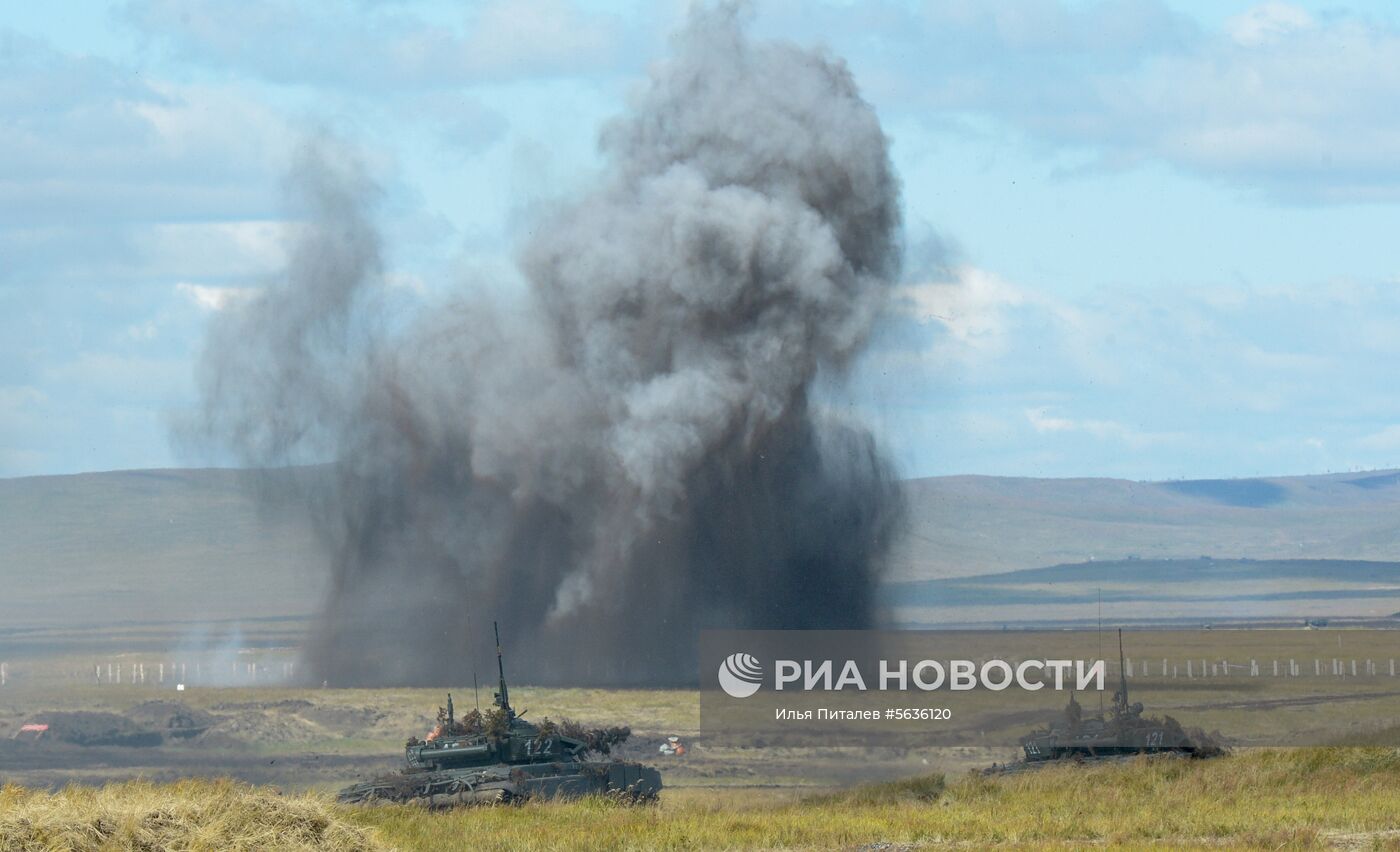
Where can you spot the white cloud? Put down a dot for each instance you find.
(15, 401)
(1387, 438)
(972, 307)
(85, 140)
(981, 374)
(1042, 421)
(212, 298)
(344, 44)
(239, 249)
(1267, 22)
(122, 380)
(979, 317)
(114, 185)
(1297, 108)
(143, 331)
(535, 36)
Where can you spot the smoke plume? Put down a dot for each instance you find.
(633, 456)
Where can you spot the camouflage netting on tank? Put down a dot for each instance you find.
(596, 740)
(495, 723)
(1203, 744)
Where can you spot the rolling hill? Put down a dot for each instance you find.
(195, 546)
(970, 525)
(1155, 591)
(150, 546)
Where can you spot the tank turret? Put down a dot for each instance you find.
(1125, 731)
(499, 756)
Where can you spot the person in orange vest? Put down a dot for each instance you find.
(673, 746)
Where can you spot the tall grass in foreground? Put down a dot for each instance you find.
(1301, 798)
(185, 815)
(1272, 799)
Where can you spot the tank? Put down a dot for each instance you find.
(1126, 731)
(498, 757)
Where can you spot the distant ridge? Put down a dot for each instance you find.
(186, 544)
(151, 545)
(1137, 591)
(968, 525)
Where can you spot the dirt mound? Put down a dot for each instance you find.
(289, 720)
(342, 719)
(172, 718)
(262, 726)
(184, 815)
(296, 704)
(95, 729)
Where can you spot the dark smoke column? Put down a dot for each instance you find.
(635, 458)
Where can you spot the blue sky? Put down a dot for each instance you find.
(1145, 239)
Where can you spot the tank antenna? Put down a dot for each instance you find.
(476, 693)
(1122, 675)
(1100, 635)
(502, 697)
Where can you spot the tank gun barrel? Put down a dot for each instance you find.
(503, 758)
(502, 697)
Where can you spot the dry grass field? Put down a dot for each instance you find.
(192, 815)
(1264, 799)
(312, 739)
(1312, 798)
(150, 571)
(290, 747)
